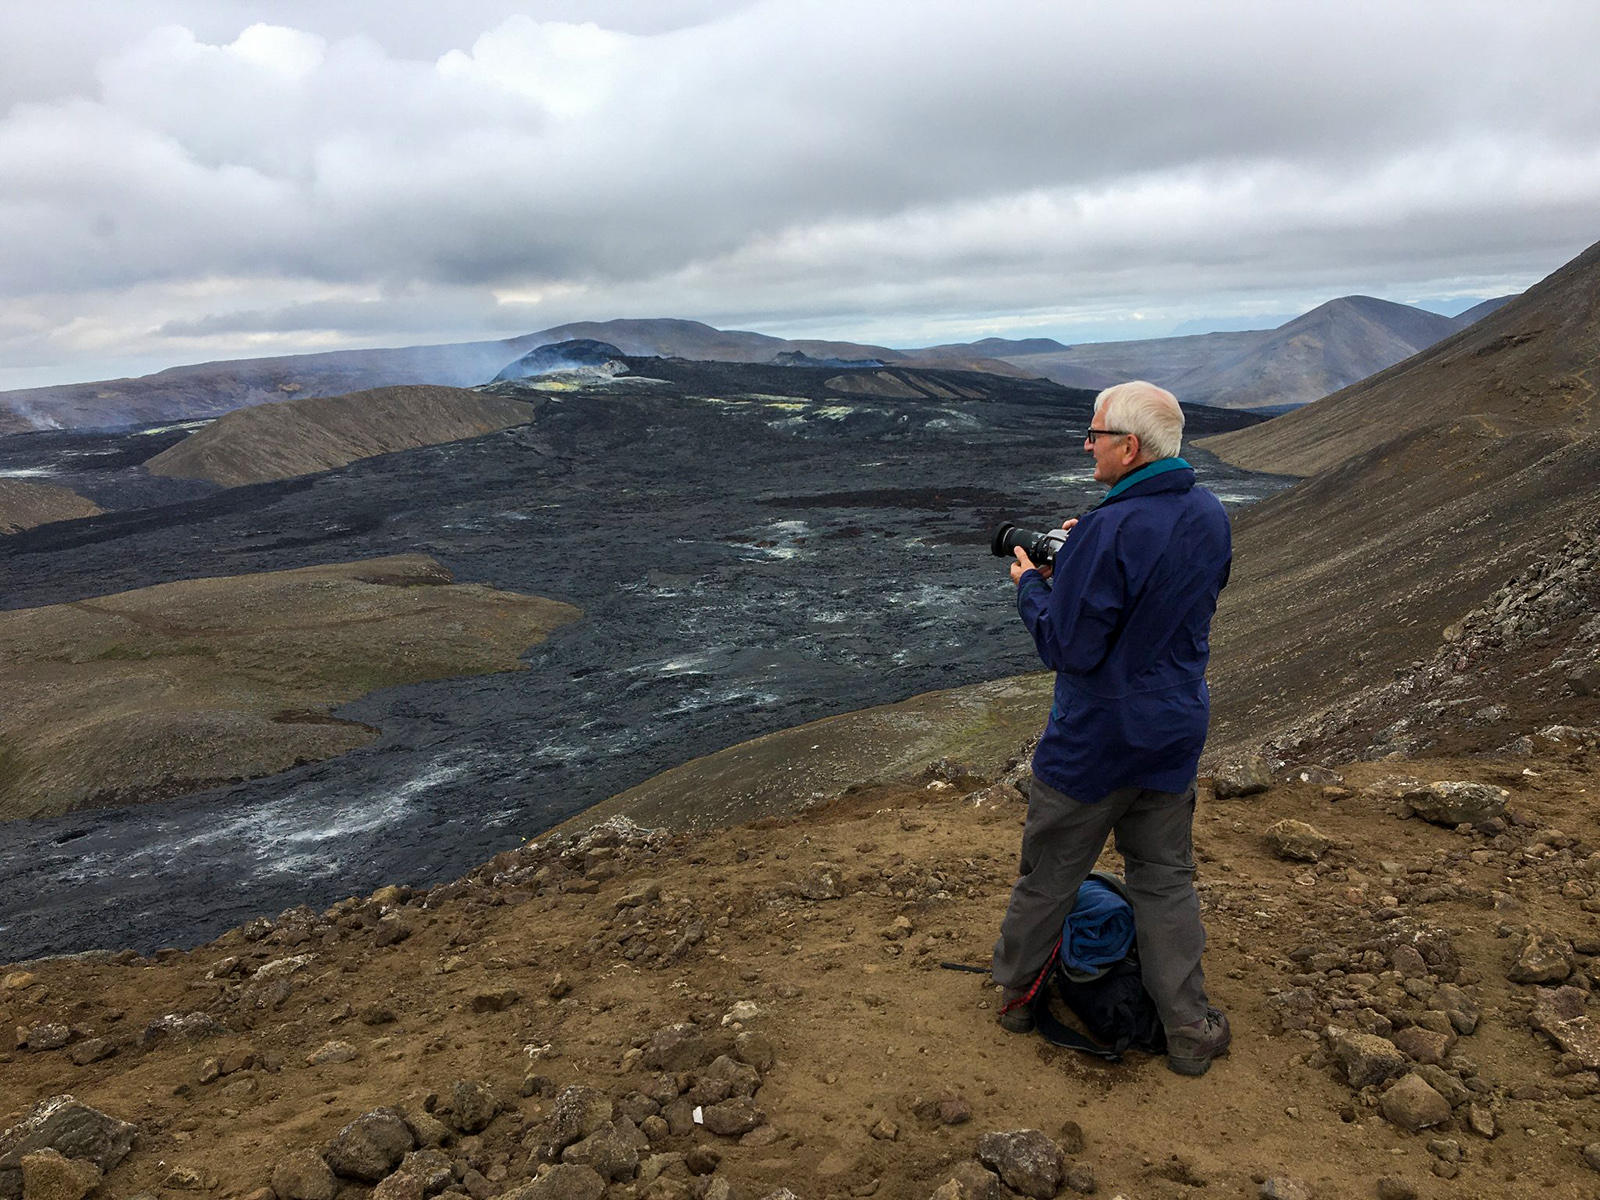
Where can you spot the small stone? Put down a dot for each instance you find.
(1452, 803)
(754, 1050)
(377, 1014)
(1282, 1187)
(16, 981)
(187, 1179)
(1072, 1139)
(44, 1036)
(702, 1159)
(1445, 1149)
(400, 1186)
(332, 1052)
(1423, 1045)
(472, 1105)
(954, 1110)
(1392, 1187)
(495, 1000)
(72, 1129)
(1559, 1013)
(1245, 777)
(1446, 1170)
(1447, 1085)
(92, 1050)
(1026, 1159)
(885, 1130)
(1079, 1177)
(1408, 961)
(1297, 840)
(607, 1152)
(1367, 1058)
(303, 1175)
(683, 1047)
(564, 1181)
(1542, 958)
(49, 1175)
(823, 881)
(578, 1111)
(733, 1117)
(1591, 1156)
(762, 1135)
(371, 1146)
(1481, 1121)
(1413, 1105)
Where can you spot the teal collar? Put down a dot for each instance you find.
(1149, 471)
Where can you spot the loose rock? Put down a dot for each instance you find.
(823, 882)
(1027, 1160)
(1367, 1058)
(49, 1175)
(1542, 958)
(370, 1147)
(1297, 840)
(1413, 1105)
(1243, 778)
(304, 1175)
(1452, 803)
(472, 1105)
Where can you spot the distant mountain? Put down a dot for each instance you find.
(1430, 483)
(1302, 360)
(1480, 310)
(318, 433)
(1332, 345)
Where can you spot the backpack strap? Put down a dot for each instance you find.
(1057, 1034)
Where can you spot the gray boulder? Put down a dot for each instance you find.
(303, 1175)
(371, 1146)
(69, 1127)
(1297, 840)
(1413, 1105)
(1027, 1160)
(1245, 777)
(1454, 803)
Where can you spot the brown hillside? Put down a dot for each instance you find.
(319, 433)
(1531, 361)
(182, 686)
(24, 505)
(1436, 481)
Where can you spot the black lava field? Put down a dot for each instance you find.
(744, 563)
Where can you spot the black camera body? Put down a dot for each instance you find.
(1042, 548)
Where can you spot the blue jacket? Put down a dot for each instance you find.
(1125, 622)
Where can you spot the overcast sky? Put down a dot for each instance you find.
(183, 180)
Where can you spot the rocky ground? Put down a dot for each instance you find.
(623, 1013)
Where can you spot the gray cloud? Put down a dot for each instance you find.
(187, 178)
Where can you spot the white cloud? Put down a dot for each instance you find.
(203, 179)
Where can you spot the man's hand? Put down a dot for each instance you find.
(1024, 563)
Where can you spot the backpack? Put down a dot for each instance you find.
(1113, 1008)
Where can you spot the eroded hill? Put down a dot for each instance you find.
(170, 689)
(318, 433)
(24, 505)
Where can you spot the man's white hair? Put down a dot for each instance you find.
(1146, 410)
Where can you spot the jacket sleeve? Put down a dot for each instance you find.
(1073, 619)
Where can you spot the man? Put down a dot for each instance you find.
(1125, 621)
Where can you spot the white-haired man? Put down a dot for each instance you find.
(1124, 620)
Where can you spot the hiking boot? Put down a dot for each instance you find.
(1020, 1018)
(1191, 1047)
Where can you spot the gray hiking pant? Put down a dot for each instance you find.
(1060, 842)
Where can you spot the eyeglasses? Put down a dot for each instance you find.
(1090, 434)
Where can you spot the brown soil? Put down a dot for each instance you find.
(168, 689)
(866, 1025)
(24, 505)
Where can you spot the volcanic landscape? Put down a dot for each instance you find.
(749, 550)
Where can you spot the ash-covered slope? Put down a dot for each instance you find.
(302, 436)
(24, 505)
(1530, 362)
(1435, 483)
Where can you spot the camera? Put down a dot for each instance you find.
(1040, 547)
